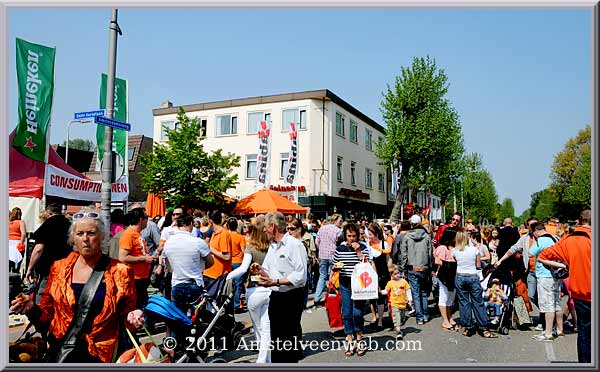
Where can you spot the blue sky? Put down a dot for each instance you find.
(520, 79)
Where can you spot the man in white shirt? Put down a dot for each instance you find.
(284, 271)
(186, 257)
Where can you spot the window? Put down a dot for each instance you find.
(368, 178)
(166, 125)
(284, 163)
(203, 125)
(353, 131)
(340, 124)
(303, 124)
(381, 184)
(130, 153)
(353, 173)
(254, 119)
(339, 168)
(297, 116)
(251, 166)
(380, 140)
(368, 139)
(226, 125)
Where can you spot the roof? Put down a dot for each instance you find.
(135, 141)
(311, 94)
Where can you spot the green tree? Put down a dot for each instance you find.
(571, 175)
(80, 144)
(543, 204)
(423, 137)
(183, 173)
(505, 209)
(479, 191)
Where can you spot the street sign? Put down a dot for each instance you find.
(112, 123)
(88, 114)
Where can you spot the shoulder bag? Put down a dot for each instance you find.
(81, 316)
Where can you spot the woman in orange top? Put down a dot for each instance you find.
(112, 308)
(17, 231)
(380, 252)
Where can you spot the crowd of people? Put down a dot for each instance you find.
(275, 262)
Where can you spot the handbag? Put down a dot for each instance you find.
(70, 341)
(333, 305)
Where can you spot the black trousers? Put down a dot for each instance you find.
(584, 330)
(285, 315)
(141, 288)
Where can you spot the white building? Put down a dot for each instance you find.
(338, 169)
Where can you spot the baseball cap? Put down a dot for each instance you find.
(415, 219)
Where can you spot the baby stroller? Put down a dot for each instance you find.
(504, 320)
(212, 326)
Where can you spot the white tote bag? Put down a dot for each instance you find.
(364, 282)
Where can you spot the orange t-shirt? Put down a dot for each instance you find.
(238, 242)
(220, 241)
(390, 241)
(576, 252)
(132, 241)
(531, 258)
(14, 230)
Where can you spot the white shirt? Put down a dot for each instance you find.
(186, 257)
(287, 259)
(466, 260)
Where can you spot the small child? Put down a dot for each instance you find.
(494, 297)
(399, 295)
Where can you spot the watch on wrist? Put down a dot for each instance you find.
(278, 284)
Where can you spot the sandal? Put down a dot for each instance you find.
(350, 346)
(360, 349)
(468, 332)
(488, 334)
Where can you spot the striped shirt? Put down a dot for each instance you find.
(347, 255)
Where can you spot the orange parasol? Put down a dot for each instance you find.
(155, 206)
(265, 201)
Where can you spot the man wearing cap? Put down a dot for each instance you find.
(416, 257)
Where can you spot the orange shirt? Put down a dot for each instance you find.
(57, 306)
(132, 241)
(238, 242)
(390, 240)
(576, 252)
(14, 230)
(531, 258)
(220, 241)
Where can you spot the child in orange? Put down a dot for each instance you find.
(399, 296)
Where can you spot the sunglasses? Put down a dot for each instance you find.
(80, 215)
(292, 228)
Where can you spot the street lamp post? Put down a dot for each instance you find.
(80, 121)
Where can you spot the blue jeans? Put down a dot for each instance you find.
(470, 299)
(496, 308)
(583, 309)
(185, 293)
(532, 287)
(238, 285)
(352, 311)
(324, 267)
(420, 286)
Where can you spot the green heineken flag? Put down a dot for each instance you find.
(35, 80)
(120, 114)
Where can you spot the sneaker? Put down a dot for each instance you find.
(420, 322)
(411, 313)
(400, 335)
(543, 337)
(538, 327)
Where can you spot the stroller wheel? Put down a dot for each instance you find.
(217, 360)
(504, 330)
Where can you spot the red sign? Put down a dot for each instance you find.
(287, 188)
(358, 194)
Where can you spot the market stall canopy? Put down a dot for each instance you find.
(26, 176)
(265, 201)
(155, 206)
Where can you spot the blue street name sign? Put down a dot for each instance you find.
(88, 114)
(112, 123)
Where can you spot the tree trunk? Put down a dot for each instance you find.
(394, 216)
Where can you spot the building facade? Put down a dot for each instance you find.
(338, 171)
